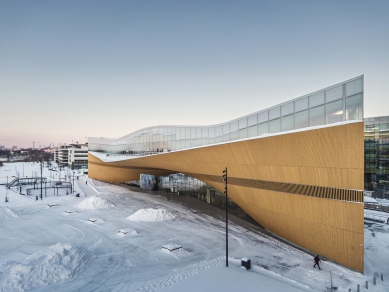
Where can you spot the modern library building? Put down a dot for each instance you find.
(297, 168)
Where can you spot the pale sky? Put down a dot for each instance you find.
(71, 69)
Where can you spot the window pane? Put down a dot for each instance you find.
(263, 117)
(287, 123)
(198, 132)
(275, 126)
(263, 128)
(354, 87)
(334, 93)
(334, 111)
(235, 135)
(234, 126)
(243, 133)
(204, 132)
(354, 105)
(218, 131)
(316, 99)
(301, 104)
(211, 132)
(317, 116)
(182, 133)
(287, 109)
(301, 119)
(226, 128)
(176, 145)
(252, 120)
(274, 113)
(226, 137)
(383, 127)
(252, 131)
(219, 139)
(187, 130)
(193, 133)
(243, 123)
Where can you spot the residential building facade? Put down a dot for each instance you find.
(74, 156)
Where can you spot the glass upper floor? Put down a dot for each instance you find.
(337, 103)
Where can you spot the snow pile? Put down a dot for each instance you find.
(177, 253)
(369, 200)
(6, 213)
(127, 231)
(171, 246)
(96, 220)
(58, 263)
(175, 250)
(150, 215)
(94, 203)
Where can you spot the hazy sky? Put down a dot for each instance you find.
(70, 69)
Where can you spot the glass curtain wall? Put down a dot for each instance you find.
(183, 185)
(341, 102)
(377, 156)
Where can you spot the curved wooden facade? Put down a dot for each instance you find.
(305, 186)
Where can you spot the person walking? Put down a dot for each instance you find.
(317, 260)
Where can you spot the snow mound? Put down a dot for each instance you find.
(6, 213)
(369, 200)
(150, 215)
(128, 231)
(96, 220)
(57, 263)
(94, 203)
(171, 246)
(175, 250)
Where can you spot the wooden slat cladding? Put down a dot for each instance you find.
(305, 190)
(313, 191)
(280, 181)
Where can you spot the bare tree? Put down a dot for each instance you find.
(330, 284)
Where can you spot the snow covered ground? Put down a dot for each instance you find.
(87, 243)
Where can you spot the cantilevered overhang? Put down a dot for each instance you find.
(304, 185)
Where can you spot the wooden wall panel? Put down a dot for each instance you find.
(327, 157)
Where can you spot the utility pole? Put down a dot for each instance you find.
(6, 194)
(225, 192)
(41, 179)
(73, 181)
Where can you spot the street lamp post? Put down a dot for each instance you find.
(6, 192)
(73, 182)
(226, 194)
